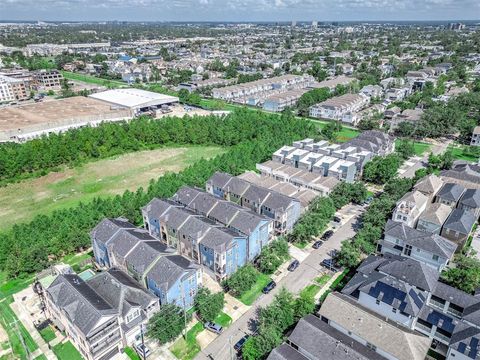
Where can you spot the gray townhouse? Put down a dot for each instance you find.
(101, 315)
(376, 332)
(433, 218)
(428, 248)
(465, 174)
(450, 194)
(284, 210)
(429, 186)
(314, 339)
(410, 294)
(470, 201)
(458, 226)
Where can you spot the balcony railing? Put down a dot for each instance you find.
(441, 337)
(423, 328)
(108, 330)
(437, 304)
(106, 345)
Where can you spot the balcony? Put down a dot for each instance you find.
(107, 344)
(454, 312)
(104, 332)
(423, 328)
(437, 304)
(441, 337)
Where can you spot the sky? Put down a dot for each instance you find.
(238, 10)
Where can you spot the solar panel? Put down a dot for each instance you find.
(473, 348)
(461, 347)
(416, 298)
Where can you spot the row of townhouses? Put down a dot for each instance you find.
(344, 162)
(255, 92)
(343, 108)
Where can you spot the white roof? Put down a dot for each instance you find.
(134, 98)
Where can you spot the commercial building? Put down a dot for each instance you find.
(136, 100)
(46, 80)
(12, 89)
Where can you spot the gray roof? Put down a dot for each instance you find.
(432, 243)
(285, 352)
(471, 198)
(412, 272)
(321, 340)
(254, 193)
(436, 213)
(222, 211)
(429, 185)
(107, 228)
(121, 291)
(124, 240)
(451, 192)
(169, 269)
(144, 254)
(465, 174)
(82, 305)
(461, 221)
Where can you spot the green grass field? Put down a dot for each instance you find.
(419, 147)
(322, 280)
(465, 152)
(21, 201)
(249, 297)
(66, 351)
(187, 348)
(93, 80)
(15, 330)
(223, 320)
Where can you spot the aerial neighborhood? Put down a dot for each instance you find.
(239, 190)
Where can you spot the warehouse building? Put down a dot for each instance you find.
(136, 100)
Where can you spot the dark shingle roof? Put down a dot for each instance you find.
(451, 192)
(461, 221)
(471, 198)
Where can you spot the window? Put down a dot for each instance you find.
(371, 346)
(408, 250)
(435, 257)
(377, 302)
(394, 310)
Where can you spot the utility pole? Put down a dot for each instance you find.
(143, 342)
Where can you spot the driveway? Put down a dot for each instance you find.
(222, 347)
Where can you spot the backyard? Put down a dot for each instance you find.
(66, 351)
(21, 201)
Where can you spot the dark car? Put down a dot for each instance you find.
(216, 328)
(337, 219)
(293, 265)
(238, 346)
(330, 265)
(327, 235)
(270, 286)
(317, 244)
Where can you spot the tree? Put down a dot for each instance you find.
(167, 324)
(209, 305)
(331, 129)
(381, 169)
(303, 305)
(272, 256)
(241, 280)
(349, 254)
(465, 275)
(405, 149)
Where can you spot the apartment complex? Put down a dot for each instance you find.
(46, 80)
(256, 92)
(342, 108)
(12, 89)
(343, 162)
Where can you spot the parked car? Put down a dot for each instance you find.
(140, 348)
(294, 265)
(216, 328)
(317, 244)
(330, 265)
(238, 346)
(337, 219)
(327, 235)
(269, 287)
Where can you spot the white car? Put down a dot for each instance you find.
(139, 348)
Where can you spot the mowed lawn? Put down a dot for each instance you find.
(22, 201)
(343, 135)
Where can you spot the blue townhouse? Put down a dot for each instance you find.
(257, 228)
(119, 244)
(282, 209)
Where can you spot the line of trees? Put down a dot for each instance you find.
(40, 156)
(28, 248)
